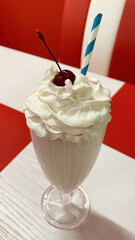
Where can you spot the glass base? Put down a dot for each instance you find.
(65, 210)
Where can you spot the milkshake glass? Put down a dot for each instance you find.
(67, 127)
(66, 165)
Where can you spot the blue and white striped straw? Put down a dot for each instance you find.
(90, 46)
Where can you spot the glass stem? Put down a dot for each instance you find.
(64, 197)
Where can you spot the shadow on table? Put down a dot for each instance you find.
(98, 227)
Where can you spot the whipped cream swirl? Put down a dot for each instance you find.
(75, 113)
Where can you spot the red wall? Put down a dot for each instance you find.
(123, 58)
(19, 20)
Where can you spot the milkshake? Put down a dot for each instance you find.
(67, 124)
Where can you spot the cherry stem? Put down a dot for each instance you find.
(40, 35)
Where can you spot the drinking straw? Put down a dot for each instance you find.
(90, 46)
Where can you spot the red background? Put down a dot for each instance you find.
(123, 59)
(20, 19)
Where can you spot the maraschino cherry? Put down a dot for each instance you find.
(63, 75)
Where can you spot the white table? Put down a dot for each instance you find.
(110, 185)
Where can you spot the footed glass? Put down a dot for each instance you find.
(65, 204)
